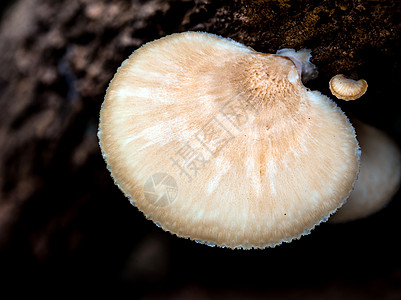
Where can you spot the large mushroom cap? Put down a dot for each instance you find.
(222, 144)
(379, 177)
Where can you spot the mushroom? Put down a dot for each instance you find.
(224, 145)
(347, 89)
(379, 176)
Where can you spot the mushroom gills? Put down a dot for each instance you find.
(347, 89)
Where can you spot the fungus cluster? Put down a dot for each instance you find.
(224, 145)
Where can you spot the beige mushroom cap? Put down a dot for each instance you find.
(224, 145)
(347, 89)
(379, 176)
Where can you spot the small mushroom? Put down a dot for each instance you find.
(224, 145)
(347, 89)
(379, 176)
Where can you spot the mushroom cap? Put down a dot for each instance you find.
(224, 145)
(347, 89)
(379, 176)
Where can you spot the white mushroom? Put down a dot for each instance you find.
(379, 176)
(347, 89)
(224, 145)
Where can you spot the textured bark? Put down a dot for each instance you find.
(60, 214)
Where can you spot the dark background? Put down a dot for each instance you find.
(64, 224)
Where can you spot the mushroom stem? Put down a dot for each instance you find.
(306, 69)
